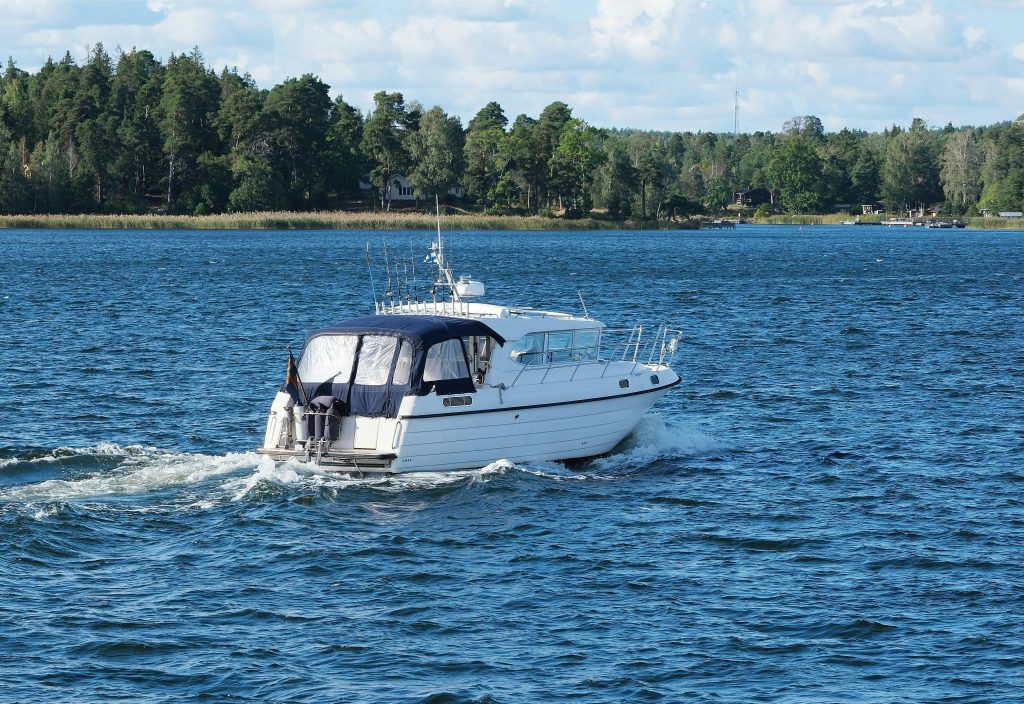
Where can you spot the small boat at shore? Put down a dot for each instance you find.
(452, 383)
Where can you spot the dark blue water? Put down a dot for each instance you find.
(829, 508)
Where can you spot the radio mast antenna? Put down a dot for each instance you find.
(736, 115)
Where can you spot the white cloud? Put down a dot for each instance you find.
(973, 36)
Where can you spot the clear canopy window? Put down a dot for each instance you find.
(403, 367)
(375, 357)
(328, 358)
(445, 360)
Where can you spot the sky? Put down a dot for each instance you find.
(648, 64)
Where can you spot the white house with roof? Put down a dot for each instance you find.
(401, 189)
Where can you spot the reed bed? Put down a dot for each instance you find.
(793, 219)
(996, 223)
(333, 220)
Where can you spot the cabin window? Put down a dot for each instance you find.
(585, 344)
(528, 349)
(559, 346)
(445, 360)
(403, 367)
(328, 358)
(375, 358)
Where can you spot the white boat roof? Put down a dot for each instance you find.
(511, 322)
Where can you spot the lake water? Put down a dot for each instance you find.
(830, 507)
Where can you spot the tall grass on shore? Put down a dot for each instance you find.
(302, 221)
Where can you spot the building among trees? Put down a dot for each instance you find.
(752, 197)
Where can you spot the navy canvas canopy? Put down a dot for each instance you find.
(420, 333)
(421, 330)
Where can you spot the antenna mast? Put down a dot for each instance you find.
(441, 265)
(586, 313)
(736, 115)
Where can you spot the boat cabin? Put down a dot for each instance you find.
(369, 364)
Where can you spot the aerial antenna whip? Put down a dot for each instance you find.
(369, 268)
(586, 313)
(736, 115)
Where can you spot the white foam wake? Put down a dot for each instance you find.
(141, 470)
(655, 438)
(293, 473)
(103, 449)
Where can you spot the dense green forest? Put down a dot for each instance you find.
(130, 134)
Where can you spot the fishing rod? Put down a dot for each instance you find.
(387, 265)
(369, 268)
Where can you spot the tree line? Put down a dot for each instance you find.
(130, 134)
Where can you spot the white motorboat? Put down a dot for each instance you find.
(453, 383)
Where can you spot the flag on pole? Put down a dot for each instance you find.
(292, 382)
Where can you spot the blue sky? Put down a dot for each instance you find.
(656, 64)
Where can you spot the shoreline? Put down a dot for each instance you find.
(343, 220)
(325, 220)
(973, 223)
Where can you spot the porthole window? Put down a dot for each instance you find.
(449, 401)
(623, 383)
(654, 379)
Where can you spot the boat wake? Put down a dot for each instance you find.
(271, 475)
(110, 471)
(653, 439)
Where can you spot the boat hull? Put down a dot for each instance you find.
(562, 431)
(496, 428)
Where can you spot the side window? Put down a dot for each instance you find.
(586, 344)
(528, 349)
(559, 344)
(445, 360)
(403, 367)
